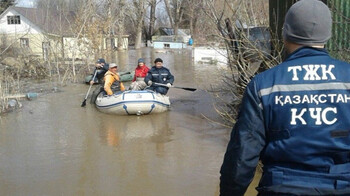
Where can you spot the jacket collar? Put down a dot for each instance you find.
(157, 67)
(307, 51)
(111, 73)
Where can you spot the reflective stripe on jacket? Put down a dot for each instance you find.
(296, 118)
(112, 83)
(159, 75)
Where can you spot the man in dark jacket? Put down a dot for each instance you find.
(101, 68)
(295, 117)
(159, 74)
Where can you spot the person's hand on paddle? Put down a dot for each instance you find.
(92, 82)
(149, 83)
(168, 85)
(98, 65)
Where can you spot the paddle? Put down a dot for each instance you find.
(125, 73)
(87, 94)
(184, 88)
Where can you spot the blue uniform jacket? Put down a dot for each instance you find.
(295, 117)
(101, 72)
(159, 75)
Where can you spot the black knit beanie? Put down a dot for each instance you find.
(158, 60)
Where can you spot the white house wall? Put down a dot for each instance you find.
(26, 29)
(72, 48)
(208, 54)
(77, 49)
(125, 43)
(171, 45)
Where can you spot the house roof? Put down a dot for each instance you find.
(170, 31)
(51, 22)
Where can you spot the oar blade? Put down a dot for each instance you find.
(126, 73)
(84, 103)
(87, 94)
(189, 89)
(183, 88)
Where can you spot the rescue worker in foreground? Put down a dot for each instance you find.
(138, 83)
(112, 82)
(101, 68)
(295, 117)
(159, 74)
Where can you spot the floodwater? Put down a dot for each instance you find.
(53, 146)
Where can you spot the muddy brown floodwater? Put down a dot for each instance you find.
(52, 146)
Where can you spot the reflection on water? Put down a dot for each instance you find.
(153, 128)
(180, 63)
(52, 146)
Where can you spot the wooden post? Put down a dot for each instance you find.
(277, 12)
(232, 36)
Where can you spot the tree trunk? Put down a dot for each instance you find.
(168, 9)
(140, 5)
(120, 25)
(176, 27)
(153, 4)
(138, 39)
(175, 13)
(191, 23)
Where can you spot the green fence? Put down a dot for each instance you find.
(338, 45)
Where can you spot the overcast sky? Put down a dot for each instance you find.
(25, 3)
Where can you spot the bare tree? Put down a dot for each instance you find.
(4, 4)
(192, 14)
(120, 21)
(139, 10)
(152, 18)
(175, 12)
(245, 56)
(83, 17)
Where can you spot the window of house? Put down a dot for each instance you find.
(24, 42)
(166, 45)
(13, 20)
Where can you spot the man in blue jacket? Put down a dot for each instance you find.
(295, 117)
(101, 68)
(161, 75)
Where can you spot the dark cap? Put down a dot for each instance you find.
(141, 60)
(101, 61)
(158, 60)
(308, 22)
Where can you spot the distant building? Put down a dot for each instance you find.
(40, 33)
(165, 38)
(211, 55)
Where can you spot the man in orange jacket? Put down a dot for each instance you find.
(112, 80)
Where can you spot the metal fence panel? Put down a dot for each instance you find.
(339, 44)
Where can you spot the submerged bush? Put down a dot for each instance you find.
(249, 54)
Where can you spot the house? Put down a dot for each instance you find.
(165, 38)
(211, 55)
(41, 33)
(29, 30)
